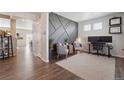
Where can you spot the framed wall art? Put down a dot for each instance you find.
(115, 30)
(115, 21)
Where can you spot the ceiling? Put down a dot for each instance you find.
(24, 15)
(24, 20)
(83, 16)
(24, 24)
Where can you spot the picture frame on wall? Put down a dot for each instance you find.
(115, 30)
(115, 21)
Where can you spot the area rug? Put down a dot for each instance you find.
(90, 67)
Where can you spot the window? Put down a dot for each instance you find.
(4, 22)
(97, 26)
(87, 27)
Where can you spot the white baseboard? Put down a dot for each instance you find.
(45, 60)
(38, 55)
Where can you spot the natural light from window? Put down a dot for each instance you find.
(4, 22)
(87, 27)
(97, 26)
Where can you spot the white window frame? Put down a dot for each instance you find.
(4, 22)
(87, 27)
(98, 26)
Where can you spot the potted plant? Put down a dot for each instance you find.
(66, 40)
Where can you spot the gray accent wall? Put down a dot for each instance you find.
(61, 28)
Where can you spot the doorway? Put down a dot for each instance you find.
(24, 33)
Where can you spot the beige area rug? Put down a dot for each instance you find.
(90, 67)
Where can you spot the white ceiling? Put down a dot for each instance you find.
(25, 15)
(24, 20)
(24, 24)
(83, 16)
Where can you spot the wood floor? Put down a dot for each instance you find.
(119, 69)
(27, 67)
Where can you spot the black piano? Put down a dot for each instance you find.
(99, 43)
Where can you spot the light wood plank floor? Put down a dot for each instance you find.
(25, 66)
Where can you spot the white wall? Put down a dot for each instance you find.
(40, 37)
(118, 39)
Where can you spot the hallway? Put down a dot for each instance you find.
(25, 66)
